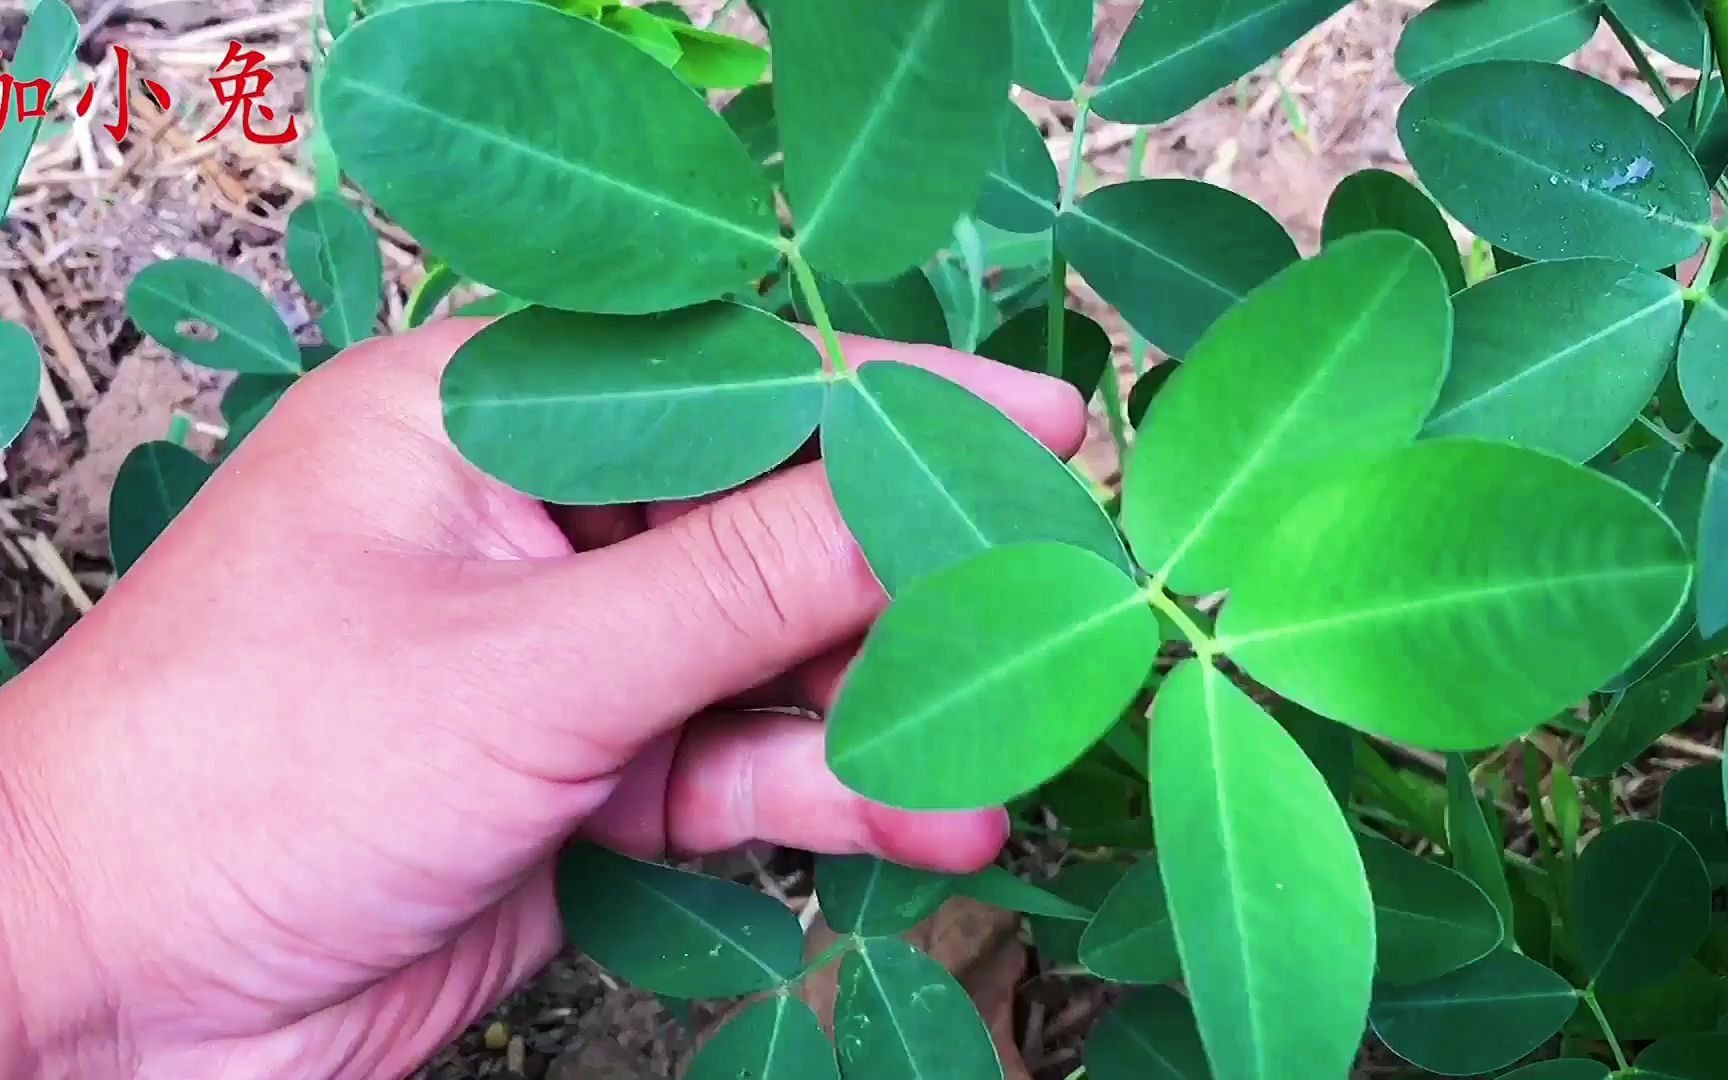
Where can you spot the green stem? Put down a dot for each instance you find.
(1702, 91)
(1661, 432)
(1538, 816)
(1204, 647)
(1602, 1022)
(818, 310)
(1602, 800)
(1076, 154)
(1700, 283)
(1646, 70)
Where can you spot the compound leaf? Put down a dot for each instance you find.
(1651, 708)
(1052, 44)
(154, 483)
(1475, 843)
(1453, 33)
(603, 409)
(778, 1038)
(1281, 390)
(890, 113)
(45, 50)
(556, 199)
(211, 317)
(1148, 1035)
(904, 309)
(1576, 169)
(1130, 940)
(1275, 926)
(336, 263)
(1558, 356)
(1020, 188)
(862, 894)
(1640, 904)
(1477, 1018)
(20, 380)
(901, 1016)
(1377, 199)
(1150, 248)
(1428, 919)
(674, 932)
(1057, 641)
(926, 474)
(1024, 342)
(1392, 598)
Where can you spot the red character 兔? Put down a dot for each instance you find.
(123, 123)
(14, 95)
(243, 91)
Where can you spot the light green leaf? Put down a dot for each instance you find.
(430, 291)
(1703, 362)
(1576, 169)
(1475, 844)
(336, 263)
(1024, 342)
(715, 61)
(1004, 889)
(1052, 45)
(673, 932)
(1694, 1056)
(248, 399)
(557, 199)
(1282, 390)
(45, 50)
(1020, 188)
(1130, 940)
(1176, 52)
(1561, 1069)
(778, 1038)
(890, 113)
(20, 380)
(862, 894)
(1440, 597)
(901, 1016)
(1057, 642)
(1377, 199)
(1150, 248)
(926, 474)
(650, 34)
(211, 317)
(966, 302)
(1674, 28)
(904, 309)
(1274, 925)
(1558, 356)
(1453, 33)
(1428, 919)
(1650, 709)
(155, 482)
(1477, 1018)
(1709, 143)
(1640, 904)
(606, 409)
(1148, 1035)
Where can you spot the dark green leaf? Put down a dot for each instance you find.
(901, 1016)
(1150, 248)
(248, 399)
(20, 380)
(1021, 187)
(601, 409)
(966, 302)
(1148, 1035)
(338, 16)
(1376, 199)
(1359, 606)
(1052, 44)
(1058, 643)
(336, 263)
(1024, 342)
(1684, 1001)
(211, 317)
(775, 1039)
(1640, 904)
(1475, 844)
(1693, 806)
(905, 309)
(1176, 52)
(1475, 1019)
(862, 894)
(750, 115)
(1130, 940)
(675, 932)
(1650, 709)
(1674, 28)
(1002, 888)
(1453, 33)
(1561, 1069)
(1709, 143)
(1701, 1055)
(1558, 356)
(1329, 745)
(1576, 169)
(1428, 920)
(1300, 371)
(154, 484)
(890, 112)
(1274, 924)
(558, 199)
(1675, 482)
(927, 474)
(1085, 884)
(1703, 361)
(50, 37)
(1140, 398)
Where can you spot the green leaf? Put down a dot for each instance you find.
(154, 483)
(1650, 709)
(1558, 356)
(336, 263)
(1176, 52)
(1150, 248)
(431, 290)
(20, 380)
(1086, 885)
(1376, 199)
(1020, 188)
(1576, 169)
(1675, 482)
(1640, 904)
(905, 309)
(338, 16)
(1703, 362)
(673, 932)
(1058, 642)
(1274, 925)
(1130, 940)
(890, 112)
(1428, 919)
(211, 317)
(1147, 388)
(1674, 28)
(1360, 606)
(1024, 342)
(970, 311)
(1693, 805)
(1329, 745)
(1683, 1001)
(1561, 1069)
(901, 1016)
(862, 894)
(1004, 889)
(248, 399)
(1475, 844)
(45, 50)
(1300, 371)
(750, 115)
(927, 474)
(715, 61)
(1708, 143)
(778, 1038)
(1693, 1056)
(1453, 33)
(605, 409)
(557, 199)
(1052, 46)
(1477, 1018)
(650, 34)
(1148, 1035)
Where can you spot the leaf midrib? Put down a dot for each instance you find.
(1037, 12)
(335, 273)
(1218, 31)
(524, 401)
(918, 460)
(1467, 56)
(696, 917)
(1078, 211)
(1632, 912)
(1449, 1001)
(893, 1014)
(222, 325)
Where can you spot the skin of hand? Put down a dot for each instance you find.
(287, 802)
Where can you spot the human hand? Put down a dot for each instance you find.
(286, 803)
